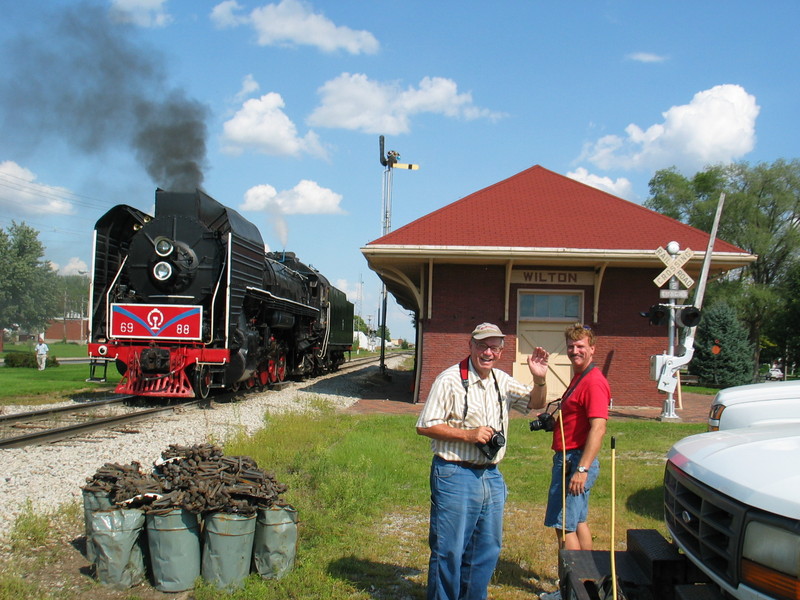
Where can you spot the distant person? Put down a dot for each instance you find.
(577, 437)
(466, 417)
(41, 354)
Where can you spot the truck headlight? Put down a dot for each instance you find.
(714, 415)
(771, 559)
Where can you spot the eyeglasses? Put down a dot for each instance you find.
(484, 347)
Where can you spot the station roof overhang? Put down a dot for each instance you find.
(404, 268)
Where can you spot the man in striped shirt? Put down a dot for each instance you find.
(466, 417)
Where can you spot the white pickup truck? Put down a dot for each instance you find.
(732, 495)
(731, 506)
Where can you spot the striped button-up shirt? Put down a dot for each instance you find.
(447, 401)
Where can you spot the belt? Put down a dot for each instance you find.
(470, 465)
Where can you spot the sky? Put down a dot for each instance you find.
(275, 109)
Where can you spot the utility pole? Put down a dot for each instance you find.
(389, 162)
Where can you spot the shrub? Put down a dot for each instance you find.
(27, 360)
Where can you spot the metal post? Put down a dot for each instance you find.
(389, 161)
(668, 411)
(387, 227)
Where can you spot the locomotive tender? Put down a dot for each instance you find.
(188, 300)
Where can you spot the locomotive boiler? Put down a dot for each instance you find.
(188, 300)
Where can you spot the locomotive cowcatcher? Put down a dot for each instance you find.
(188, 301)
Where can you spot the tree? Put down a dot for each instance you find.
(784, 330)
(27, 283)
(762, 208)
(360, 325)
(723, 354)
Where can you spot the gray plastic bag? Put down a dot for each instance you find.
(116, 542)
(275, 543)
(92, 502)
(227, 548)
(174, 542)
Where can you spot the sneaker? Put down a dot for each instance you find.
(551, 595)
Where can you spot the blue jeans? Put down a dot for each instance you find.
(466, 530)
(577, 506)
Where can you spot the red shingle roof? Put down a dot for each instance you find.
(538, 208)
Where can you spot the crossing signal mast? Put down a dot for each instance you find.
(664, 367)
(389, 162)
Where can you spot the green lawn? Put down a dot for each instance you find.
(360, 485)
(54, 384)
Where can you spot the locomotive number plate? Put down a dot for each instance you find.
(165, 322)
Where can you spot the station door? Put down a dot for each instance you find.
(549, 336)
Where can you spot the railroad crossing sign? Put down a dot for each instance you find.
(674, 265)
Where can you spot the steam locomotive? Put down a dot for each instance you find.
(188, 301)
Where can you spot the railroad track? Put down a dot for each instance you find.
(55, 424)
(59, 423)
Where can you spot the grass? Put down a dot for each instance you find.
(360, 485)
(67, 381)
(57, 349)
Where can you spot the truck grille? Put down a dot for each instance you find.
(706, 523)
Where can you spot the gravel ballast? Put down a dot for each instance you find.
(51, 475)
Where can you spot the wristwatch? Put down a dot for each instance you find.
(582, 469)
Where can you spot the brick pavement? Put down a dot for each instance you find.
(393, 395)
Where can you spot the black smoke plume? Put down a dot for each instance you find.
(78, 76)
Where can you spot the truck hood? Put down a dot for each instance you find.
(755, 465)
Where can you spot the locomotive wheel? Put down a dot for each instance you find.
(272, 371)
(262, 379)
(280, 368)
(202, 382)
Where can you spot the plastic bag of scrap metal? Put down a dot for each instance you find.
(174, 540)
(118, 547)
(227, 548)
(275, 541)
(93, 500)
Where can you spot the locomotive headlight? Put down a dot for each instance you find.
(162, 271)
(164, 247)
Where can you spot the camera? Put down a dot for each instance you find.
(492, 447)
(546, 421)
(543, 422)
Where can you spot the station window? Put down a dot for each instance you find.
(550, 306)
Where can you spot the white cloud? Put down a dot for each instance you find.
(261, 125)
(353, 101)
(717, 126)
(223, 14)
(350, 289)
(306, 198)
(620, 187)
(145, 13)
(74, 266)
(646, 57)
(292, 22)
(20, 192)
(249, 87)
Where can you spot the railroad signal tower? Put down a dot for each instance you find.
(389, 162)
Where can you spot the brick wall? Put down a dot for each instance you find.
(465, 295)
(56, 331)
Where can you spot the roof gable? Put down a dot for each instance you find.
(538, 208)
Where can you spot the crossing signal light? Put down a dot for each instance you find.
(687, 316)
(658, 314)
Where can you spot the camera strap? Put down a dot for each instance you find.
(571, 388)
(463, 368)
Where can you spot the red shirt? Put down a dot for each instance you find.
(590, 399)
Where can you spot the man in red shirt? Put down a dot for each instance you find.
(577, 438)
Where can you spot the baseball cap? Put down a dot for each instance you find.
(486, 330)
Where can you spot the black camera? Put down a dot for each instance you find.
(492, 447)
(546, 421)
(543, 422)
